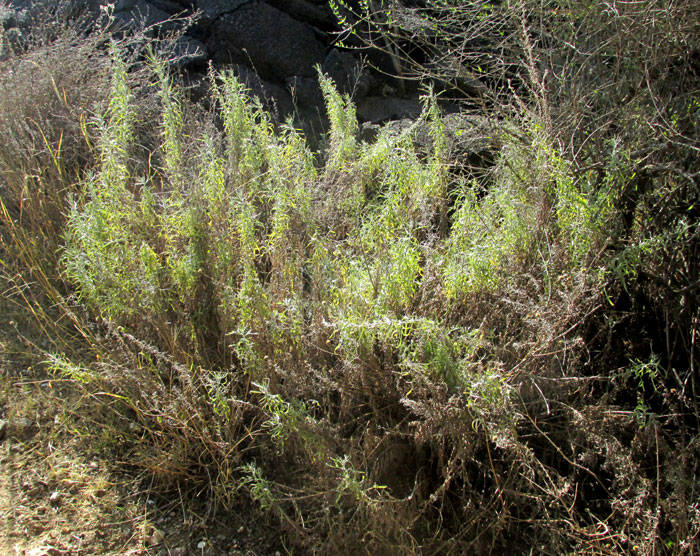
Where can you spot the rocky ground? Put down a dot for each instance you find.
(53, 499)
(59, 496)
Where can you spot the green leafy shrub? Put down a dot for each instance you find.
(380, 352)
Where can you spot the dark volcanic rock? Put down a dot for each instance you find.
(276, 45)
(348, 74)
(214, 9)
(382, 109)
(317, 14)
(140, 13)
(190, 52)
(273, 97)
(305, 91)
(170, 6)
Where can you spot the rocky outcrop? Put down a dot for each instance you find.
(273, 46)
(212, 10)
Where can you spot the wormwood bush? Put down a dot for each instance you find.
(233, 275)
(343, 125)
(487, 235)
(152, 240)
(264, 269)
(98, 253)
(536, 202)
(380, 353)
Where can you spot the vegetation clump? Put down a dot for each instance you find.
(387, 355)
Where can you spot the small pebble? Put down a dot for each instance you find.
(55, 498)
(157, 537)
(43, 551)
(241, 530)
